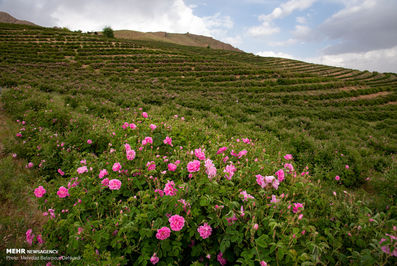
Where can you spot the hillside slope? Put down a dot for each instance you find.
(7, 18)
(177, 38)
(316, 111)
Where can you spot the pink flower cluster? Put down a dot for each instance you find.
(297, 207)
(205, 230)
(29, 236)
(288, 157)
(263, 181)
(221, 259)
(130, 153)
(51, 212)
(221, 150)
(289, 166)
(393, 243)
(168, 141)
(229, 170)
(199, 154)
(246, 195)
(103, 173)
(280, 175)
(147, 140)
(151, 166)
(82, 169)
(246, 140)
(170, 189)
(240, 154)
(210, 168)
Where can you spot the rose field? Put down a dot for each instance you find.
(121, 152)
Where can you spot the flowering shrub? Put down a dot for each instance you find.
(162, 197)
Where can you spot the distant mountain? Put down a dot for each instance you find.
(7, 18)
(177, 38)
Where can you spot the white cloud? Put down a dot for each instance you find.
(382, 60)
(285, 9)
(301, 20)
(290, 41)
(266, 28)
(361, 26)
(275, 54)
(93, 15)
(234, 41)
(218, 21)
(301, 31)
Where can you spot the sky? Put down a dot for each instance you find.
(358, 34)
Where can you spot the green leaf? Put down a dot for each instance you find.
(262, 241)
(224, 245)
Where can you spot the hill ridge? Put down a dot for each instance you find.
(7, 18)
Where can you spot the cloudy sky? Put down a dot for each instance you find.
(359, 34)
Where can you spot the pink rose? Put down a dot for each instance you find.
(63, 192)
(170, 189)
(29, 236)
(154, 259)
(163, 233)
(114, 184)
(204, 231)
(131, 155)
(147, 140)
(105, 182)
(82, 169)
(176, 222)
(39, 192)
(103, 173)
(116, 167)
(193, 166)
(168, 141)
(199, 154)
(221, 150)
(172, 167)
(280, 175)
(151, 166)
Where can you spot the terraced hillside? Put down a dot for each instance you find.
(316, 111)
(298, 161)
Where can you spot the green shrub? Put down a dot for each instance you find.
(108, 32)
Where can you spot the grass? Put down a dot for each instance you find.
(18, 211)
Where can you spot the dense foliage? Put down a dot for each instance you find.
(108, 32)
(157, 153)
